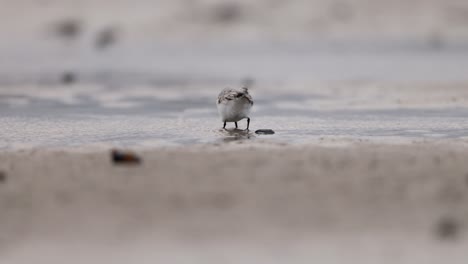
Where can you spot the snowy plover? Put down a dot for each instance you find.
(234, 105)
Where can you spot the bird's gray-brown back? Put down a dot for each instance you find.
(229, 94)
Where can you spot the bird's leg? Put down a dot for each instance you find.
(224, 127)
(236, 124)
(248, 123)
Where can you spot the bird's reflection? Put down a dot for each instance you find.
(230, 135)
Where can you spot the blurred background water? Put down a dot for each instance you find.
(146, 72)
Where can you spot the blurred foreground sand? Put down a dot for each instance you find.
(237, 203)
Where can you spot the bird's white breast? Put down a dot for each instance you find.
(234, 110)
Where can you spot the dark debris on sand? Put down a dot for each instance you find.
(105, 38)
(68, 28)
(264, 132)
(227, 13)
(125, 157)
(68, 78)
(447, 229)
(3, 176)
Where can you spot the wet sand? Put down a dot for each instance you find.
(142, 116)
(237, 203)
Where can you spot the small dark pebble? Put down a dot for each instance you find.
(68, 77)
(447, 228)
(69, 28)
(3, 176)
(264, 132)
(125, 157)
(106, 38)
(227, 13)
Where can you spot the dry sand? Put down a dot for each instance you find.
(237, 203)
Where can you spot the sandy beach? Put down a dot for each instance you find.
(248, 203)
(356, 172)
(368, 101)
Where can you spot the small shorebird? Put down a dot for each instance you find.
(234, 105)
